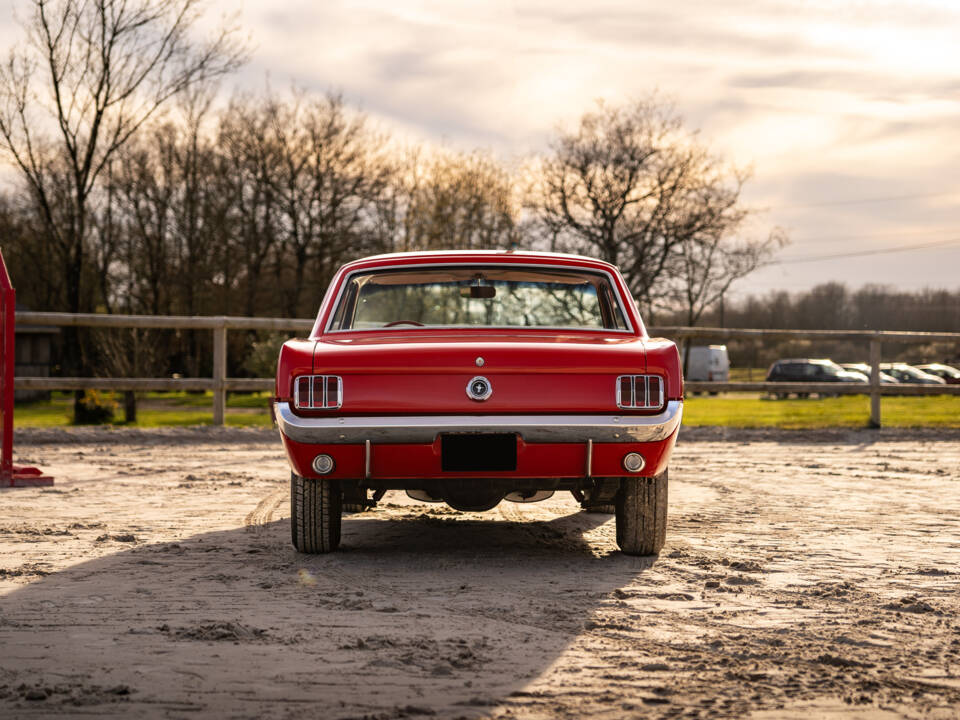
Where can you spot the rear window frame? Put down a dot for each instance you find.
(614, 292)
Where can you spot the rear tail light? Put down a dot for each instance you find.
(640, 392)
(317, 392)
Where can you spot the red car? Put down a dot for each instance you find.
(476, 377)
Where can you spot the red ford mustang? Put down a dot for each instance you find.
(476, 377)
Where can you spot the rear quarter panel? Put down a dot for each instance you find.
(663, 358)
(296, 358)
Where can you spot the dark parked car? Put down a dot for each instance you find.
(950, 374)
(811, 370)
(909, 374)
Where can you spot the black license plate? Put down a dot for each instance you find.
(478, 452)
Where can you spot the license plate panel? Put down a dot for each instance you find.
(478, 452)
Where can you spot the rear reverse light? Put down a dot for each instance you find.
(640, 392)
(317, 392)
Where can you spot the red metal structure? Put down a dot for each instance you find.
(11, 475)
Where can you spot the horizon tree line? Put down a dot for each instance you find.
(134, 193)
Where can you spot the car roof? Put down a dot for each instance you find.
(466, 256)
(812, 361)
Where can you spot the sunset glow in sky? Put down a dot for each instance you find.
(847, 111)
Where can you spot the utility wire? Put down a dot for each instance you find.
(862, 201)
(863, 253)
(870, 236)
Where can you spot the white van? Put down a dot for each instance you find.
(708, 363)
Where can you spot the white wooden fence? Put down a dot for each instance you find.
(220, 384)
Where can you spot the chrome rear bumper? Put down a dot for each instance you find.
(533, 428)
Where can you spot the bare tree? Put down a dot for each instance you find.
(631, 186)
(89, 75)
(248, 161)
(705, 267)
(25, 248)
(331, 170)
(458, 200)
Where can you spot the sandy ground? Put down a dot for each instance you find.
(805, 576)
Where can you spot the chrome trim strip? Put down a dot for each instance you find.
(367, 457)
(328, 329)
(423, 429)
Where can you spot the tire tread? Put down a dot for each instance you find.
(642, 514)
(315, 514)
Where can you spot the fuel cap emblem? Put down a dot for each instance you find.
(479, 388)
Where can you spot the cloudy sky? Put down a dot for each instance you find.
(848, 111)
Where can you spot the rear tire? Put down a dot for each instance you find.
(314, 514)
(642, 514)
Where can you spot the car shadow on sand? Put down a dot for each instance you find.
(419, 614)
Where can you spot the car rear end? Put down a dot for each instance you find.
(571, 417)
(474, 413)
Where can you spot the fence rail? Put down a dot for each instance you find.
(874, 338)
(883, 336)
(220, 384)
(144, 384)
(182, 322)
(820, 388)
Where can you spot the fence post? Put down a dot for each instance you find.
(875, 383)
(219, 372)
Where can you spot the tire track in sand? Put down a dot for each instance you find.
(263, 512)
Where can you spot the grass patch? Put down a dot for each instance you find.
(153, 410)
(748, 410)
(201, 399)
(754, 410)
(55, 413)
(179, 418)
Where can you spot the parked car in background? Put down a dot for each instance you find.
(909, 374)
(865, 370)
(708, 363)
(949, 374)
(475, 377)
(811, 370)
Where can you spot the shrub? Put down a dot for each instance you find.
(261, 361)
(93, 408)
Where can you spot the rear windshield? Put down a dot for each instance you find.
(478, 296)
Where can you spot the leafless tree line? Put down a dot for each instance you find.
(138, 194)
(250, 209)
(834, 306)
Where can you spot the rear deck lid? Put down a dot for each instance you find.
(432, 373)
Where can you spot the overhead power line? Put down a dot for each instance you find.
(864, 253)
(863, 201)
(899, 234)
